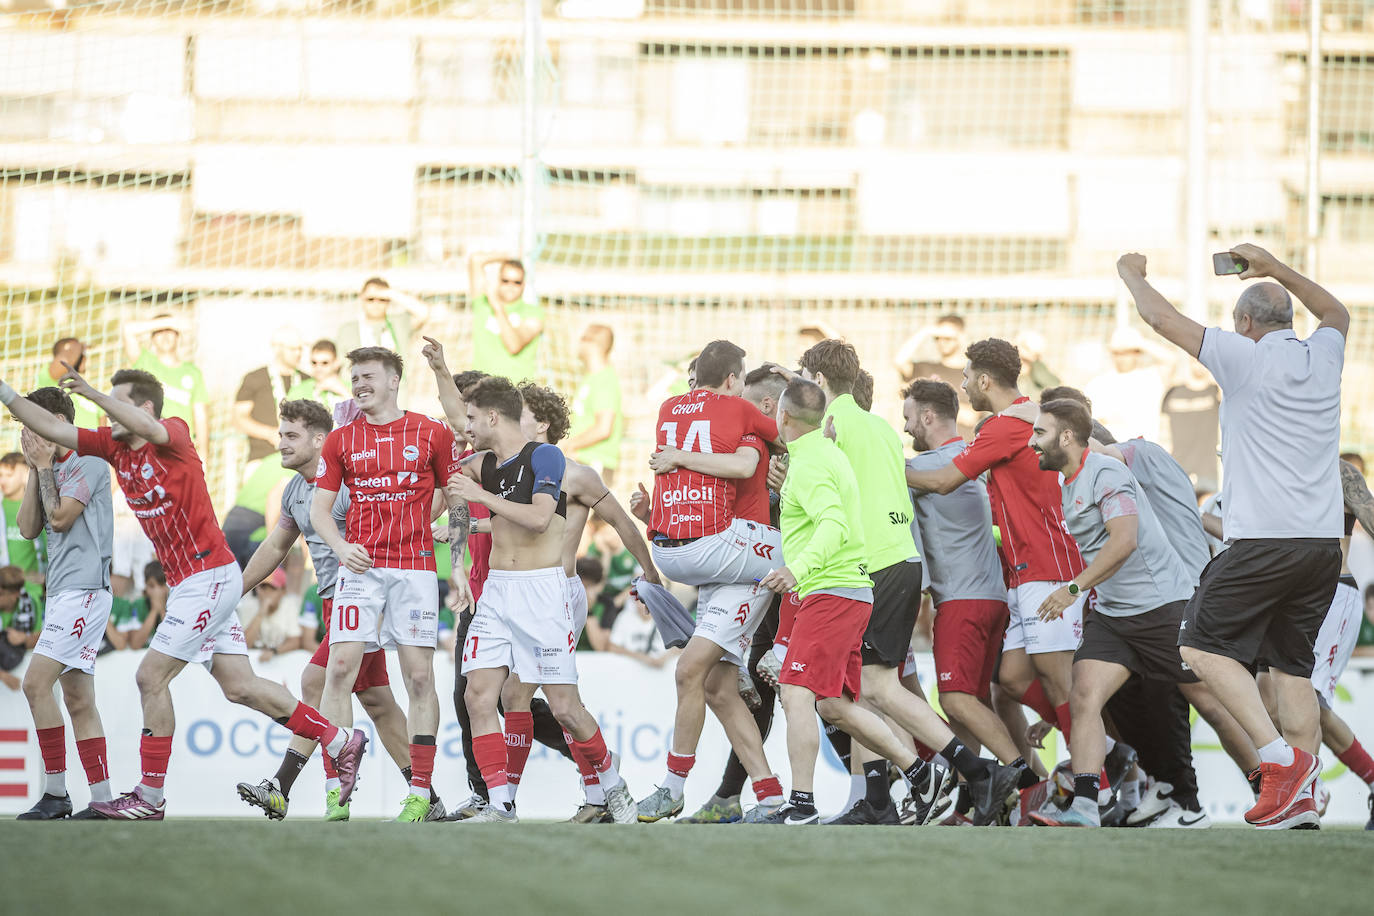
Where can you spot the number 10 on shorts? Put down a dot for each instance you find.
(346, 618)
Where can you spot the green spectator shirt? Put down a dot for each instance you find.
(259, 485)
(308, 389)
(27, 616)
(875, 453)
(30, 556)
(182, 386)
(599, 391)
(822, 532)
(87, 414)
(489, 353)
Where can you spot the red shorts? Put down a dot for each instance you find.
(372, 672)
(824, 652)
(968, 638)
(787, 615)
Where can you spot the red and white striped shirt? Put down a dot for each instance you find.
(1026, 507)
(691, 505)
(165, 487)
(392, 471)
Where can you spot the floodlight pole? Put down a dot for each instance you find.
(530, 166)
(1196, 260)
(1313, 202)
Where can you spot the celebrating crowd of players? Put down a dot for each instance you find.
(1070, 574)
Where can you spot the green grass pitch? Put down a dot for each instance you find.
(250, 867)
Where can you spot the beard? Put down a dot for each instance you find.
(1051, 459)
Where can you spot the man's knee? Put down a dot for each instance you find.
(312, 683)
(36, 688)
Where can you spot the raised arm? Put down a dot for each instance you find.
(1158, 312)
(47, 425)
(418, 309)
(134, 418)
(1358, 500)
(739, 464)
(1328, 309)
(450, 398)
(477, 273)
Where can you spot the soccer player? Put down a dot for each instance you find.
(1268, 594)
(304, 426)
(825, 550)
(545, 419)
(524, 623)
(965, 574)
(698, 539)
(162, 478)
(1141, 586)
(1040, 556)
(387, 592)
(69, 495)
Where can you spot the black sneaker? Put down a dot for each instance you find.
(1113, 815)
(1119, 764)
(992, 792)
(49, 808)
(932, 797)
(791, 816)
(88, 814)
(864, 813)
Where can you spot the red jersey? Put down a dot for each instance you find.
(479, 549)
(691, 505)
(1026, 506)
(392, 471)
(165, 487)
(751, 493)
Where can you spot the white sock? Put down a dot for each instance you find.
(341, 736)
(501, 795)
(100, 791)
(596, 795)
(1111, 743)
(422, 791)
(1277, 751)
(611, 778)
(780, 652)
(331, 783)
(55, 783)
(149, 794)
(674, 783)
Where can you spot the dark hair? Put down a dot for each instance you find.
(836, 360)
(55, 400)
(1072, 416)
(11, 459)
(155, 572)
(805, 401)
(767, 378)
(1059, 392)
(938, 396)
(951, 318)
(590, 568)
(548, 407)
(374, 281)
(997, 358)
(863, 390)
(498, 394)
(717, 361)
(143, 386)
(310, 414)
(326, 345)
(12, 577)
(389, 359)
(466, 379)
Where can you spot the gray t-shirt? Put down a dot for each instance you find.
(1280, 432)
(1153, 575)
(295, 516)
(79, 558)
(1173, 500)
(956, 534)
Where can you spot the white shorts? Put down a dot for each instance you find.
(577, 603)
(741, 554)
(202, 620)
(1335, 641)
(385, 608)
(729, 614)
(73, 627)
(524, 622)
(1029, 632)
(908, 664)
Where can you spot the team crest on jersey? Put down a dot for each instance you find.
(319, 468)
(146, 470)
(410, 453)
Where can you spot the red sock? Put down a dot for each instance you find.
(310, 723)
(490, 753)
(421, 765)
(771, 787)
(94, 759)
(584, 766)
(154, 753)
(329, 771)
(1037, 700)
(1061, 713)
(594, 749)
(679, 765)
(925, 752)
(1358, 760)
(52, 743)
(519, 741)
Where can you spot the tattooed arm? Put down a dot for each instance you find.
(459, 517)
(1358, 500)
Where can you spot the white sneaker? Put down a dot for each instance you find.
(1322, 796)
(621, 805)
(1157, 800)
(1177, 816)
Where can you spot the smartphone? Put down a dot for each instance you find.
(1226, 263)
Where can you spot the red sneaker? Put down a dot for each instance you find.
(347, 764)
(130, 807)
(1301, 815)
(1280, 786)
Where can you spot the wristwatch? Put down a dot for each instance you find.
(1074, 590)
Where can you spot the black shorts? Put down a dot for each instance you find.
(1145, 644)
(896, 602)
(1264, 600)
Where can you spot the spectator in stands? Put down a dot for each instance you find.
(323, 383)
(506, 330)
(597, 634)
(1193, 409)
(21, 622)
(132, 623)
(273, 617)
(386, 318)
(15, 549)
(597, 422)
(635, 634)
(255, 405)
(71, 351)
(256, 507)
(948, 336)
(1127, 398)
(1035, 375)
(620, 570)
(183, 386)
